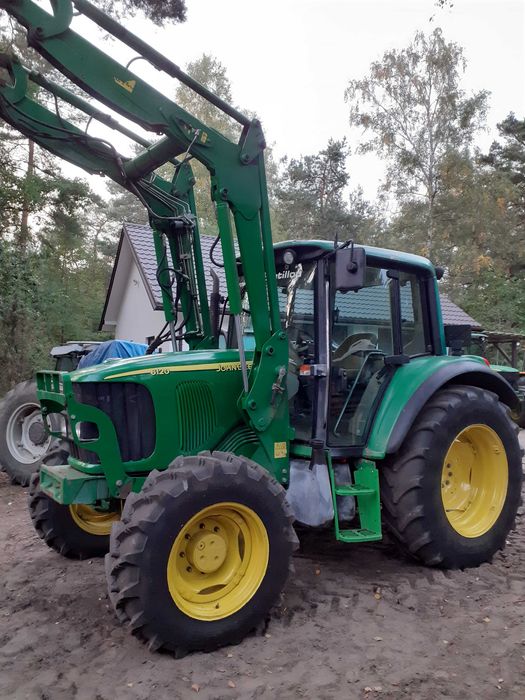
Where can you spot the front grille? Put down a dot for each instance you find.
(130, 408)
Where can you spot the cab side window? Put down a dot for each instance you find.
(413, 327)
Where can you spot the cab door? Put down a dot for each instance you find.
(372, 332)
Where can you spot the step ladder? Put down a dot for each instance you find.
(365, 489)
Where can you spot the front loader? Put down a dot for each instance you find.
(336, 361)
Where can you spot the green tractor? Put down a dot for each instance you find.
(183, 464)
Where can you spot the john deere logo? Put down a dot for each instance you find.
(128, 85)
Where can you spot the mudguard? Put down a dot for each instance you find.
(415, 383)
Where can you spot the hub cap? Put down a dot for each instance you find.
(474, 480)
(218, 561)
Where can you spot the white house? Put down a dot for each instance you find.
(133, 307)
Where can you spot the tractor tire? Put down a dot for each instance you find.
(451, 494)
(202, 553)
(23, 439)
(77, 531)
(520, 420)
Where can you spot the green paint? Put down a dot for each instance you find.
(67, 485)
(406, 380)
(212, 378)
(365, 489)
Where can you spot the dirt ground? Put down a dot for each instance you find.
(355, 622)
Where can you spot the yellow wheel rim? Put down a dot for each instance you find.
(96, 522)
(474, 480)
(218, 561)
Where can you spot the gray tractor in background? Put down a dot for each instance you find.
(24, 441)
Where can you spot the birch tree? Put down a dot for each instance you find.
(412, 112)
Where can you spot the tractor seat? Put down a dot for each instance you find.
(349, 355)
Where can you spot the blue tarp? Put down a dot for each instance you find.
(112, 350)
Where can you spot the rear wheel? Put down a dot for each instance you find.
(23, 437)
(520, 420)
(451, 495)
(201, 554)
(77, 531)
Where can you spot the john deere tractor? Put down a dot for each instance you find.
(336, 361)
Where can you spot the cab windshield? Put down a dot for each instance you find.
(296, 306)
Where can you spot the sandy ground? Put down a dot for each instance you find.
(355, 622)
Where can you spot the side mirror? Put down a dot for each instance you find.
(350, 266)
(456, 337)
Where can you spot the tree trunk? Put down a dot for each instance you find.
(430, 227)
(24, 222)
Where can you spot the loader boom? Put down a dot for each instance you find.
(237, 173)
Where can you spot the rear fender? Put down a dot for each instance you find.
(415, 383)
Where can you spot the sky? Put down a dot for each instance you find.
(290, 60)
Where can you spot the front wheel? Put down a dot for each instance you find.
(451, 494)
(202, 553)
(77, 531)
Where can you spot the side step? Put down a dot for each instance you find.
(357, 535)
(366, 491)
(353, 491)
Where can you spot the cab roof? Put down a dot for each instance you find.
(380, 256)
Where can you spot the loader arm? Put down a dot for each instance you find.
(54, 133)
(237, 172)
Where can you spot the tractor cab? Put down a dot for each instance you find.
(347, 337)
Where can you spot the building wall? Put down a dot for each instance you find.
(129, 314)
(136, 320)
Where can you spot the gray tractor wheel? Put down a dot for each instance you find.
(24, 441)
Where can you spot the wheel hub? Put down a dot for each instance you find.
(474, 480)
(95, 522)
(25, 435)
(217, 561)
(207, 551)
(37, 433)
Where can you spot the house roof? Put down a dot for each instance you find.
(136, 245)
(453, 315)
(372, 305)
(137, 239)
(144, 253)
